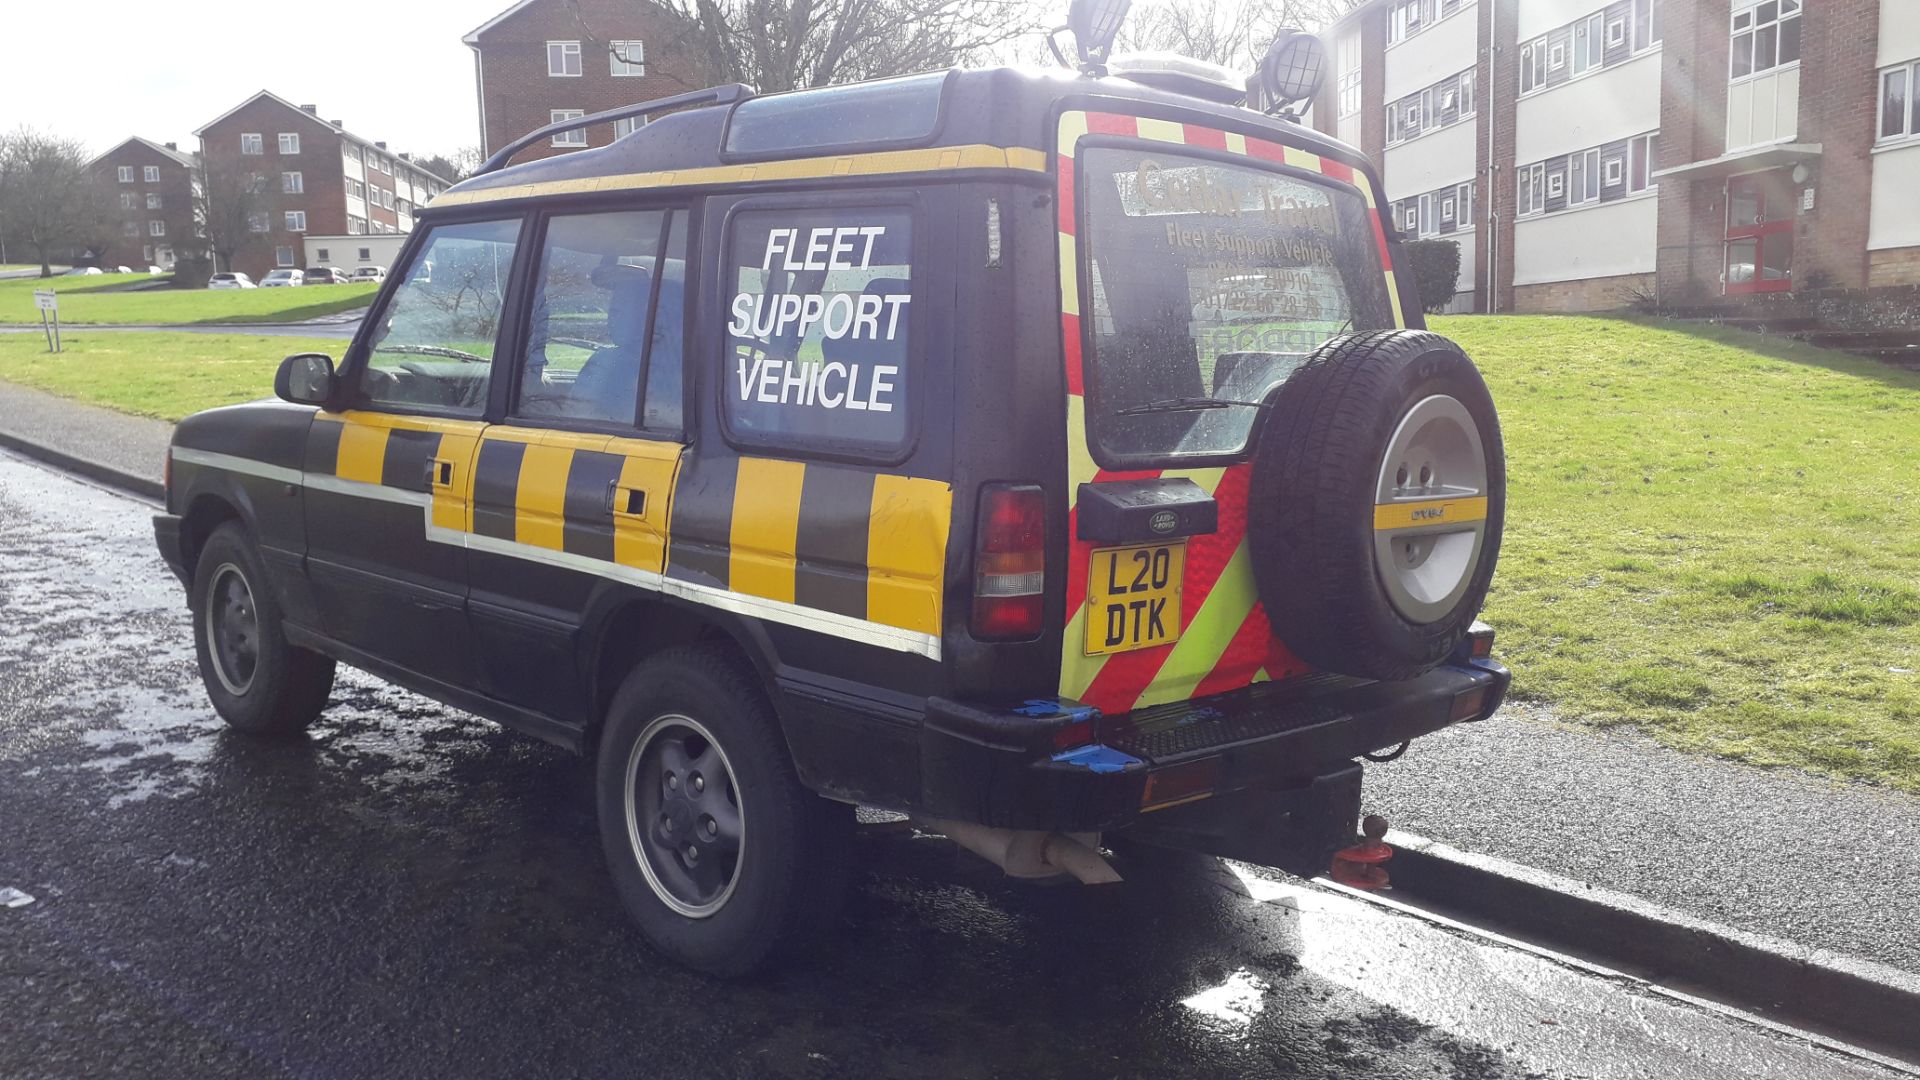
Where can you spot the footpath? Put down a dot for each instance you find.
(1781, 887)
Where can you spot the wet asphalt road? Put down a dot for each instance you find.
(414, 892)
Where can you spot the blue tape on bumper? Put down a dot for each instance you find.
(1100, 759)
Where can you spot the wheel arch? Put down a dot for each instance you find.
(628, 626)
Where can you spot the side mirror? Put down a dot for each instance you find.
(305, 379)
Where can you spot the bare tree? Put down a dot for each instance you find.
(790, 44)
(232, 200)
(48, 197)
(453, 167)
(1230, 32)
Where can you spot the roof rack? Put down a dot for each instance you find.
(725, 94)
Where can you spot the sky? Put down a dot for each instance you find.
(391, 70)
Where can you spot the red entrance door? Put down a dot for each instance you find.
(1760, 233)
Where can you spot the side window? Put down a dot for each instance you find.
(433, 346)
(607, 308)
(820, 311)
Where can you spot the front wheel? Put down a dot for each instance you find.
(258, 682)
(718, 851)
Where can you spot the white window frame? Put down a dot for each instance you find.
(296, 220)
(156, 228)
(1450, 210)
(153, 200)
(628, 125)
(126, 200)
(628, 69)
(1640, 147)
(289, 142)
(1556, 56)
(283, 255)
(1617, 32)
(1556, 186)
(1466, 86)
(567, 55)
(126, 174)
(293, 183)
(1784, 12)
(1615, 173)
(254, 140)
(259, 222)
(1908, 71)
(130, 228)
(151, 174)
(575, 138)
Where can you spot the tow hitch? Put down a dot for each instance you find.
(1363, 866)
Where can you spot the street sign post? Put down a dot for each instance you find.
(48, 302)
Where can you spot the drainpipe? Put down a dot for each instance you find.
(1491, 202)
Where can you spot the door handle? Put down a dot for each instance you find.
(439, 472)
(627, 501)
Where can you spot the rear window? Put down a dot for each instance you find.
(1207, 284)
(820, 329)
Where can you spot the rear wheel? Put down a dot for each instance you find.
(257, 681)
(1378, 502)
(719, 853)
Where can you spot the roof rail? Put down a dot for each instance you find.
(725, 94)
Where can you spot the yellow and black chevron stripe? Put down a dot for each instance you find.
(854, 552)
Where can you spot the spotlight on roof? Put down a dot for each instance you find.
(1094, 25)
(1292, 71)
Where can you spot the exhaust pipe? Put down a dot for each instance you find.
(1030, 853)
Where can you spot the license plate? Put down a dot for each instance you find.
(1133, 597)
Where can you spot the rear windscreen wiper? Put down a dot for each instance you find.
(1188, 404)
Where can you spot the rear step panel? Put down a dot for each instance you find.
(1013, 768)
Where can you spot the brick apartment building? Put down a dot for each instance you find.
(311, 184)
(545, 60)
(1587, 152)
(152, 189)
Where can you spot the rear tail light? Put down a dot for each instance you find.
(1010, 563)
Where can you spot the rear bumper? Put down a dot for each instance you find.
(1002, 767)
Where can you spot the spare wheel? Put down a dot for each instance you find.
(1378, 496)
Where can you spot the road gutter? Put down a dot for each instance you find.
(1777, 979)
(117, 480)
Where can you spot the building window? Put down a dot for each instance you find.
(1898, 117)
(126, 174)
(283, 255)
(320, 255)
(126, 200)
(1406, 18)
(1440, 105)
(1556, 186)
(156, 228)
(1640, 163)
(366, 254)
(1533, 66)
(1616, 33)
(1646, 28)
(356, 189)
(386, 198)
(1583, 178)
(289, 142)
(152, 173)
(296, 221)
(1616, 172)
(627, 57)
(146, 252)
(293, 183)
(576, 137)
(252, 143)
(1765, 36)
(1556, 56)
(624, 128)
(153, 200)
(356, 226)
(256, 221)
(1350, 73)
(1589, 46)
(563, 58)
(130, 228)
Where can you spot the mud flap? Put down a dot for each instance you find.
(1296, 829)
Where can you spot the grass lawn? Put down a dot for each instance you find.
(158, 374)
(1710, 535)
(92, 300)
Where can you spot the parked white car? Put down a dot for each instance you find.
(370, 273)
(234, 280)
(84, 271)
(282, 278)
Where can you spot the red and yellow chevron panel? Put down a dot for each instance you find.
(1225, 639)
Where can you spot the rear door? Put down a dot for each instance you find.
(573, 490)
(1199, 268)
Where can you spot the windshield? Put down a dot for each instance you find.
(1210, 283)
